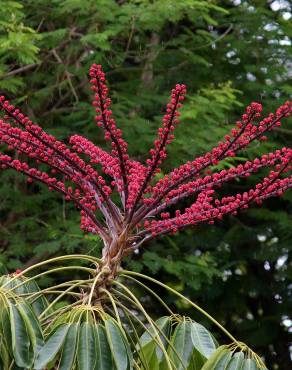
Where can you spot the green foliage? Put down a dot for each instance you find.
(228, 55)
(90, 334)
(190, 270)
(17, 43)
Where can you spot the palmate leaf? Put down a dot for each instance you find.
(104, 356)
(51, 347)
(188, 347)
(39, 304)
(86, 345)
(33, 326)
(5, 329)
(19, 287)
(21, 338)
(129, 351)
(191, 345)
(87, 353)
(149, 351)
(249, 364)
(4, 354)
(236, 362)
(219, 359)
(224, 358)
(196, 361)
(69, 349)
(202, 340)
(20, 332)
(181, 346)
(118, 345)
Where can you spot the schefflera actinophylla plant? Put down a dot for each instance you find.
(146, 210)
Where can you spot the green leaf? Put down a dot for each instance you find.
(162, 327)
(87, 351)
(39, 304)
(20, 336)
(249, 364)
(224, 360)
(69, 348)
(33, 326)
(196, 361)
(202, 340)
(129, 351)
(148, 357)
(236, 362)
(4, 354)
(181, 345)
(104, 356)
(116, 342)
(148, 349)
(51, 347)
(218, 360)
(7, 331)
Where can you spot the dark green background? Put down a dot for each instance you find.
(229, 53)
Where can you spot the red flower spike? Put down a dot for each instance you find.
(217, 179)
(104, 119)
(158, 154)
(143, 212)
(207, 209)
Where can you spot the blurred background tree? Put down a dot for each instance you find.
(229, 53)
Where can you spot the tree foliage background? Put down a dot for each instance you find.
(229, 53)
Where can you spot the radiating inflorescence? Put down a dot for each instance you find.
(143, 212)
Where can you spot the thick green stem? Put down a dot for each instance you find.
(111, 298)
(93, 286)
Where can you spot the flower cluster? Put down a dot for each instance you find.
(207, 208)
(104, 120)
(144, 209)
(142, 176)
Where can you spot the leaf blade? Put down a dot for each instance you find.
(87, 354)
(104, 357)
(116, 343)
(69, 348)
(51, 347)
(202, 340)
(21, 343)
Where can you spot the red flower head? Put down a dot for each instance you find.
(143, 212)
